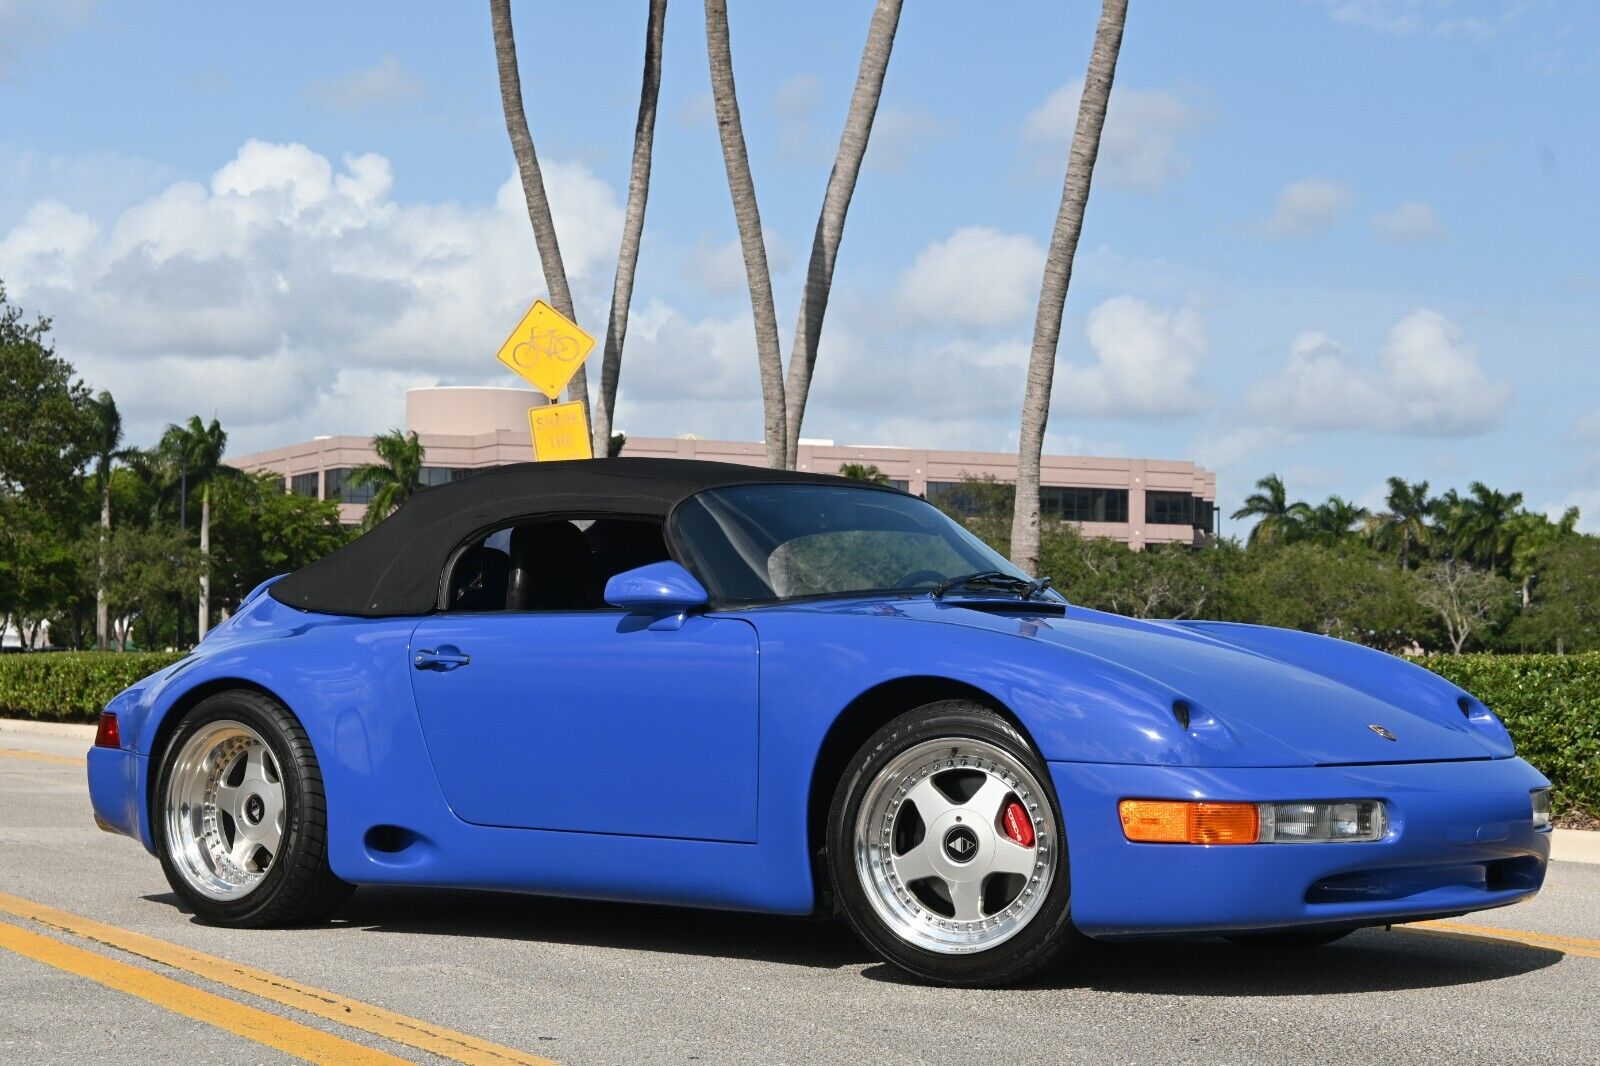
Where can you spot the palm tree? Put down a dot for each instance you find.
(1335, 519)
(544, 227)
(867, 472)
(1280, 520)
(1533, 536)
(196, 450)
(830, 222)
(395, 477)
(108, 449)
(1482, 524)
(1404, 527)
(742, 188)
(644, 131)
(1057, 277)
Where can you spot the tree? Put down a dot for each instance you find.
(1058, 275)
(1465, 597)
(1480, 525)
(1333, 520)
(195, 450)
(605, 403)
(864, 472)
(830, 221)
(1172, 581)
(747, 215)
(263, 531)
(394, 478)
(1281, 522)
(147, 567)
(544, 227)
(45, 419)
(1347, 591)
(1533, 540)
(108, 449)
(1563, 613)
(1404, 528)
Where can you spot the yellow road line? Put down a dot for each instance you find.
(388, 1024)
(1570, 945)
(298, 1040)
(39, 756)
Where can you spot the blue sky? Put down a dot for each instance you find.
(1336, 240)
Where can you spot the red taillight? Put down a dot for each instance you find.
(1019, 827)
(107, 736)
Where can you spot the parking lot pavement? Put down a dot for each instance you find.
(476, 977)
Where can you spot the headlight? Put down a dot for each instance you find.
(1541, 808)
(1323, 822)
(1308, 822)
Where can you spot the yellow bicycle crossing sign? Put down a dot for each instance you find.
(546, 349)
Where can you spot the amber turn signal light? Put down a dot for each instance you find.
(1186, 822)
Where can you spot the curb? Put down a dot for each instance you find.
(60, 730)
(1575, 845)
(1566, 845)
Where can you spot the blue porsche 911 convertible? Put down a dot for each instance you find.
(717, 686)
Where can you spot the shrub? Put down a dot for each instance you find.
(71, 685)
(1551, 704)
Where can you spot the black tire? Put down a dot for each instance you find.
(299, 887)
(1289, 939)
(1047, 937)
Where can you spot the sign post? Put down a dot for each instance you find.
(545, 350)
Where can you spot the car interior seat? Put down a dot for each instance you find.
(550, 569)
(478, 582)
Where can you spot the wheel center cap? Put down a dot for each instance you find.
(960, 844)
(254, 809)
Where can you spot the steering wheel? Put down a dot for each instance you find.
(919, 577)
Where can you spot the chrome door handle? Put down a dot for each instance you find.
(445, 657)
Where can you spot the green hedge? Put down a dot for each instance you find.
(71, 685)
(1551, 704)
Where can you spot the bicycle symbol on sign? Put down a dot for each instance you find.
(545, 344)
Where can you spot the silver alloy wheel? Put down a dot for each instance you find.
(225, 810)
(939, 891)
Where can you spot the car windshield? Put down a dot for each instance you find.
(761, 543)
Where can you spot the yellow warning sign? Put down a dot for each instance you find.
(546, 348)
(560, 431)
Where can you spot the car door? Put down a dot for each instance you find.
(590, 721)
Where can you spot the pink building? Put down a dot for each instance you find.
(1136, 501)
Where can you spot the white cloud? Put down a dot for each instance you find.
(978, 276)
(1402, 18)
(718, 269)
(384, 84)
(285, 280)
(1147, 363)
(1307, 206)
(1139, 145)
(1411, 222)
(1427, 383)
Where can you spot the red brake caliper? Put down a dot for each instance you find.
(1019, 827)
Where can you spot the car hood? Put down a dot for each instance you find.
(1330, 701)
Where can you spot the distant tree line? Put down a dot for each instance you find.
(1433, 573)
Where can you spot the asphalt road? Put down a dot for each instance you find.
(475, 977)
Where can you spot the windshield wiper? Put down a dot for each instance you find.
(1025, 589)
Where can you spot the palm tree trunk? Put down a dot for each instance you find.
(544, 227)
(1057, 276)
(745, 212)
(203, 625)
(830, 222)
(644, 132)
(102, 619)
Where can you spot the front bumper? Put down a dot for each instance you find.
(1460, 838)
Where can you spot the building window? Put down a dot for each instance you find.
(1205, 514)
(1068, 504)
(443, 475)
(304, 484)
(1169, 508)
(338, 486)
(898, 483)
(972, 497)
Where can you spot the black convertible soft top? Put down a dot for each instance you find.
(395, 568)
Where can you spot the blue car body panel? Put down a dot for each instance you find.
(599, 755)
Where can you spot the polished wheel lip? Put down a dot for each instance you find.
(879, 869)
(222, 857)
